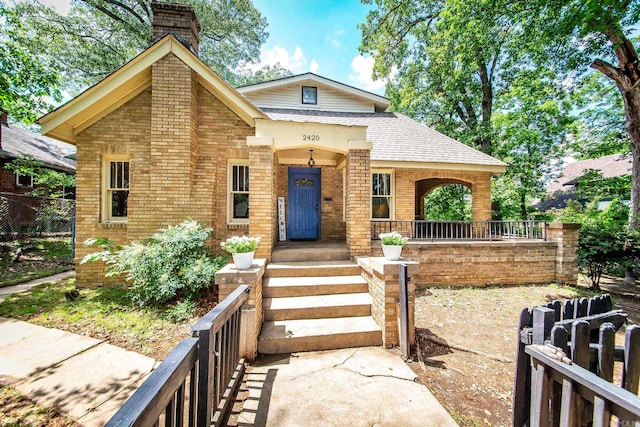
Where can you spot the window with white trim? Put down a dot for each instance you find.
(238, 202)
(24, 180)
(116, 182)
(381, 195)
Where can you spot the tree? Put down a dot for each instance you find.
(579, 33)
(599, 130)
(461, 68)
(98, 36)
(448, 203)
(449, 55)
(28, 83)
(531, 123)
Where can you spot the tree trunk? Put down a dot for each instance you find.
(523, 206)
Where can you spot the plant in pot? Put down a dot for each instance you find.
(392, 244)
(242, 249)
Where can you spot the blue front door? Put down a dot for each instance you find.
(304, 203)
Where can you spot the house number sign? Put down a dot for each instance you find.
(308, 137)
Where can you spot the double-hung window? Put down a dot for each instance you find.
(238, 184)
(116, 189)
(381, 195)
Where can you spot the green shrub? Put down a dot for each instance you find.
(172, 263)
(604, 242)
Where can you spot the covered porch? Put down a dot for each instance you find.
(322, 182)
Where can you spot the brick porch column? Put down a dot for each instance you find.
(566, 234)
(262, 193)
(358, 198)
(481, 198)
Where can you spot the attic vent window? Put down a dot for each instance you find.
(309, 95)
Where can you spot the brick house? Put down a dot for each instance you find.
(19, 207)
(164, 138)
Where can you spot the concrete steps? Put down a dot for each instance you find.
(319, 305)
(289, 336)
(274, 287)
(312, 268)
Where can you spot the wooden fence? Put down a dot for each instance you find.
(197, 382)
(565, 366)
(462, 230)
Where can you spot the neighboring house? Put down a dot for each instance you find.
(19, 210)
(565, 187)
(164, 138)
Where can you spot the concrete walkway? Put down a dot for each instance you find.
(84, 378)
(24, 287)
(366, 386)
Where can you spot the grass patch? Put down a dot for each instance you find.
(17, 410)
(30, 259)
(104, 313)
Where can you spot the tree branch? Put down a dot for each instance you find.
(612, 72)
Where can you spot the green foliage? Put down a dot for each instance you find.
(47, 182)
(240, 244)
(599, 130)
(448, 203)
(181, 311)
(98, 36)
(393, 239)
(28, 82)
(461, 67)
(592, 186)
(172, 263)
(604, 240)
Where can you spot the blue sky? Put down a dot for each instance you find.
(319, 36)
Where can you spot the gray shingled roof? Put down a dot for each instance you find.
(610, 166)
(17, 142)
(395, 137)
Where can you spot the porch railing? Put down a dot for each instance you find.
(196, 383)
(462, 230)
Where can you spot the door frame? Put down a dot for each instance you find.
(311, 171)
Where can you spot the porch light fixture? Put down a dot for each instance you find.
(311, 162)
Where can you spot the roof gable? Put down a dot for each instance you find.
(254, 91)
(130, 80)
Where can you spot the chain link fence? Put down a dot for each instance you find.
(32, 215)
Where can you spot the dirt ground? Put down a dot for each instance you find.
(473, 376)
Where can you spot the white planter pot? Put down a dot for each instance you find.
(243, 261)
(392, 252)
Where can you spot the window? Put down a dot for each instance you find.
(239, 192)
(116, 190)
(24, 180)
(309, 95)
(381, 195)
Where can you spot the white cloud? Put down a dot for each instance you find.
(363, 68)
(313, 67)
(295, 62)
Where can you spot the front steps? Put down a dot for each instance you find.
(320, 305)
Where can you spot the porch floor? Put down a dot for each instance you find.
(319, 250)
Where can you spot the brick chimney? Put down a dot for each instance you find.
(4, 121)
(177, 19)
